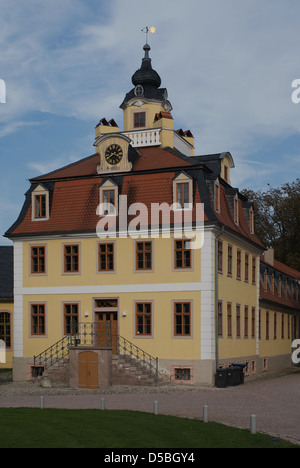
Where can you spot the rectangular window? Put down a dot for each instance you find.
(38, 260)
(267, 325)
(229, 320)
(275, 326)
(229, 262)
(182, 374)
(71, 258)
(38, 319)
(246, 322)
(144, 256)
(182, 319)
(183, 254)
(220, 256)
(253, 270)
(246, 267)
(108, 201)
(139, 119)
(220, 318)
(40, 206)
(253, 322)
(106, 257)
(183, 194)
(71, 318)
(144, 319)
(238, 321)
(5, 328)
(239, 264)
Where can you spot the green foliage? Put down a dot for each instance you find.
(277, 220)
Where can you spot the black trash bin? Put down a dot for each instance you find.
(233, 376)
(221, 378)
(242, 367)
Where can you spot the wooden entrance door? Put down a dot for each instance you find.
(106, 318)
(107, 330)
(88, 370)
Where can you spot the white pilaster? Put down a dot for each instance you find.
(18, 299)
(208, 349)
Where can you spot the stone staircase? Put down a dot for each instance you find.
(131, 366)
(59, 373)
(128, 371)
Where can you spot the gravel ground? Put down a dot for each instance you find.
(274, 400)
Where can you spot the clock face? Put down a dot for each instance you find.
(114, 154)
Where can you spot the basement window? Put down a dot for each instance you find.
(182, 374)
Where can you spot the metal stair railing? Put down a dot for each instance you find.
(148, 362)
(87, 334)
(54, 354)
(90, 334)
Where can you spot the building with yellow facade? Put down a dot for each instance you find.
(101, 261)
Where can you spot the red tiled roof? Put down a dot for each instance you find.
(225, 217)
(151, 158)
(73, 208)
(158, 158)
(75, 192)
(75, 202)
(286, 270)
(284, 299)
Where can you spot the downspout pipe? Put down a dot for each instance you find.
(217, 294)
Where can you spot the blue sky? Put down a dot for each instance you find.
(228, 67)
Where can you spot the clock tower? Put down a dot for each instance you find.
(147, 122)
(146, 100)
(113, 149)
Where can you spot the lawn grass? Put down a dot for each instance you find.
(49, 428)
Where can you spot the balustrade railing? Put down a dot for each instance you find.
(144, 138)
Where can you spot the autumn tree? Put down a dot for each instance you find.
(277, 220)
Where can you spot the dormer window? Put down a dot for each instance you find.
(236, 209)
(226, 173)
(182, 196)
(108, 199)
(40, 204)
(183, 192)
(217, 197)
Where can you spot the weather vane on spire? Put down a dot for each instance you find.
(148, 30)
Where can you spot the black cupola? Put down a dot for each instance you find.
(146, 76)
(146, 83)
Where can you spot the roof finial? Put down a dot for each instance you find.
(148, 30)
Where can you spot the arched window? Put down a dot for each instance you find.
(5, 328)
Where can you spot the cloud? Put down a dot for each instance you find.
(228, 66)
